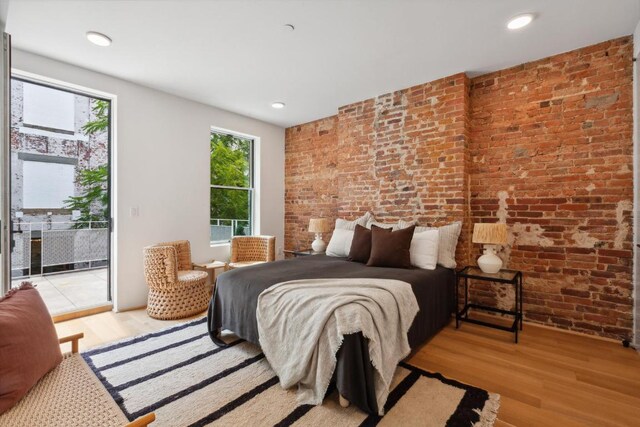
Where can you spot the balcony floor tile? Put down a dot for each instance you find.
(73, 291)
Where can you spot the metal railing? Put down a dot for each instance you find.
(222, 229)
(62, 243)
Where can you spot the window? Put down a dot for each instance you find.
(231, 193)
(47, 184)
(48, 108)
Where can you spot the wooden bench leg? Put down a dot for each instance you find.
(143, 421)
(73, 339)
(343, 401)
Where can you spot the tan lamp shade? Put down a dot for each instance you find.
(490, 234)
(319, 225)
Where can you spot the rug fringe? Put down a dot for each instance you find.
(489, 413)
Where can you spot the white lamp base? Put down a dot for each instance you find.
(490, 262)
(318, 245)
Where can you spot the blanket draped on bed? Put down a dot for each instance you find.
(301, 324)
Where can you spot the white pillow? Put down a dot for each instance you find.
(380, 224)
(351, 225)
(340, 243)
(447, 243)
(424, 249)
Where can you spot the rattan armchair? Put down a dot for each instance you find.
(176, 290)
(252, 250)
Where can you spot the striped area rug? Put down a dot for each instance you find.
(184, 378)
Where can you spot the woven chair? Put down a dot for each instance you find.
(252, 250)
(175, 289)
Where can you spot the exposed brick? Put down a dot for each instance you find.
(545, 147)
(575, 154)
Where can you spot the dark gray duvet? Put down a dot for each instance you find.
(234, 303)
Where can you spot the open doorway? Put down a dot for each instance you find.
(60, 194)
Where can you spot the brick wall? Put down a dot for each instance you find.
(310, 179)
(551, 149)
(402, 155)
(545, 147)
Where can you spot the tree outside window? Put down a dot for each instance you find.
(93, 202)
(231, 186)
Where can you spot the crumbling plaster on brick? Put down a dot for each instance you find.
(473, 153)
(622, 228)
(517, 234)
(582, 239)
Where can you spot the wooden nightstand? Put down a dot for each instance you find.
(511, 277)
(210, 268)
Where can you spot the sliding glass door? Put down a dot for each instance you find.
(59, 207)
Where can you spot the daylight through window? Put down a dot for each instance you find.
(231, 192)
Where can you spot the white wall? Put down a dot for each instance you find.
(162, 167)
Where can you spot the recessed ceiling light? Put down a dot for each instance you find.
(278, 105)
(289, 27)
(520, 21)
(98, 38)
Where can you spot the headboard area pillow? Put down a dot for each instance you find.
(390, 249)
(361, 244)
(424, 249)
(390, 226)
(447, 241)
(340, 243)
(351, 225)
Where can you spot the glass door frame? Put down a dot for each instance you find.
(37, 79)
(5, 167)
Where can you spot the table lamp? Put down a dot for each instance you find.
(490, 235)
(319, 226)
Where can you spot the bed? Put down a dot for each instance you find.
(233, 307)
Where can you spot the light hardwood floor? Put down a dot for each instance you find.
(551, 378)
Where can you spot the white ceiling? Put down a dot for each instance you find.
(237, 55)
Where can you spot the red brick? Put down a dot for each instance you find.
(541, 132)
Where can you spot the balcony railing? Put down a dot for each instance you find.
(61, 243)
(222, 230)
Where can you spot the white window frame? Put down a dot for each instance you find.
(252, 183)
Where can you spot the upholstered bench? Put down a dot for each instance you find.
(41, 386)
(70, 395)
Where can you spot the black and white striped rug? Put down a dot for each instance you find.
(184, 378)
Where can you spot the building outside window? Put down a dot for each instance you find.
(59, 164)
(232, 187)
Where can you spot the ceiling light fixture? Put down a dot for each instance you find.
(278, 105)
(289, 27)
(520, 21)
(98, 38)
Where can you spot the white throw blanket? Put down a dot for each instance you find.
(301, 324)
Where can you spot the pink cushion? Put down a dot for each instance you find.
(29, 345)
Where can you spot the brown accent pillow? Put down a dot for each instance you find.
(29, 346)
(391, 249)
(361, 243)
